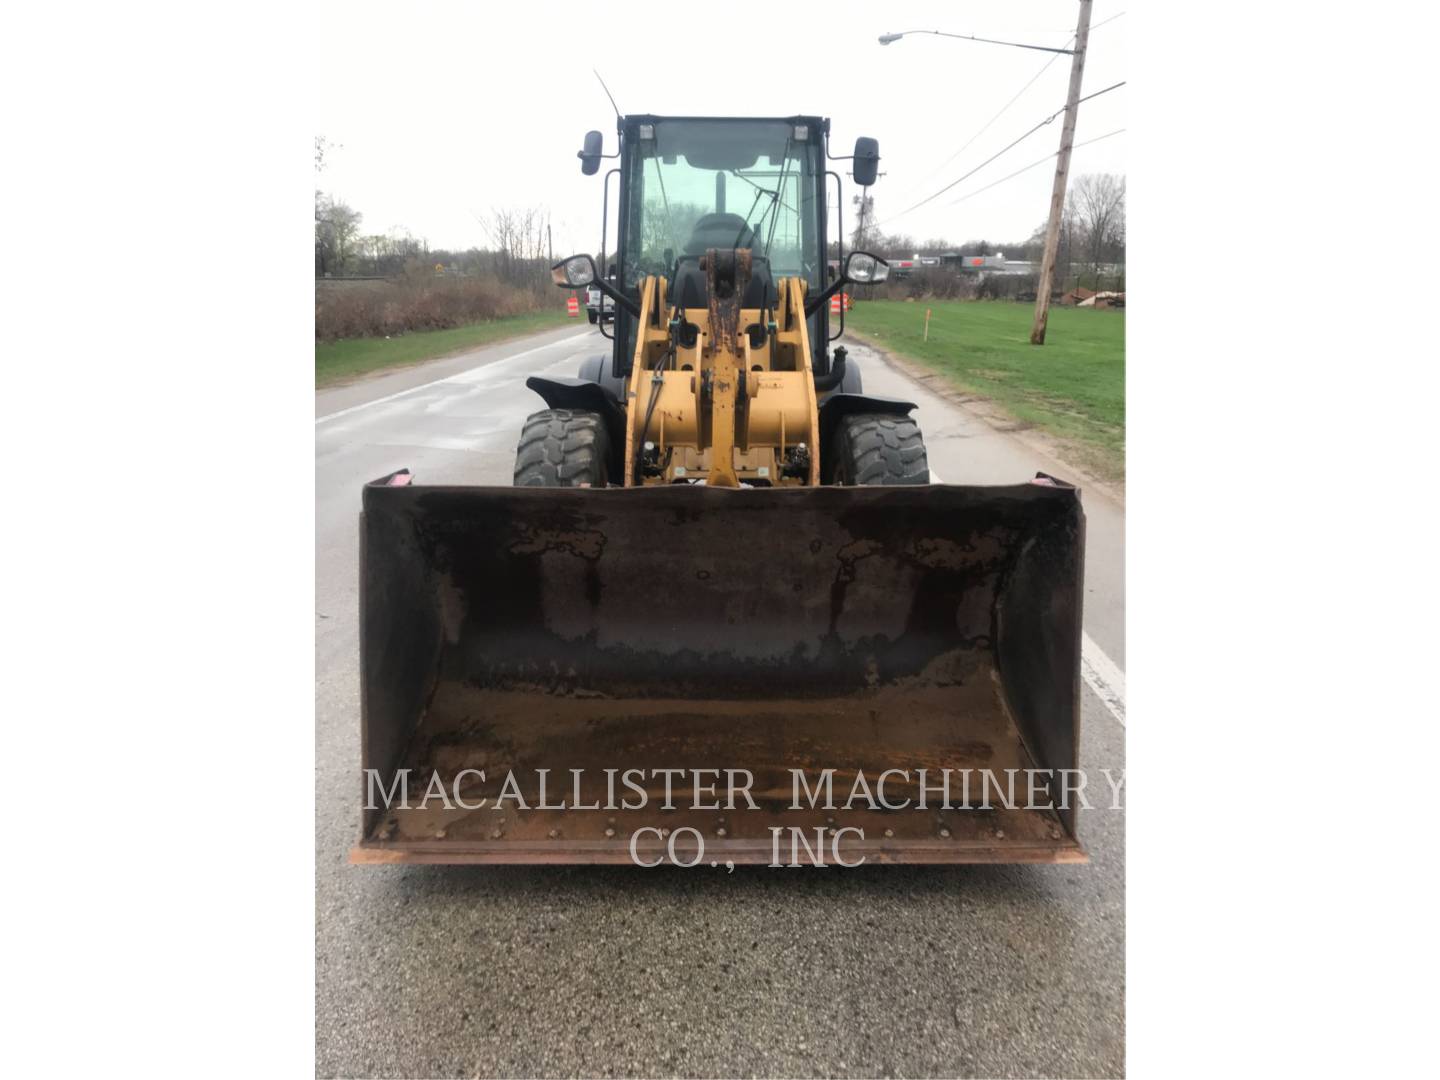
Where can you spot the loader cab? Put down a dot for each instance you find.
(692, 183)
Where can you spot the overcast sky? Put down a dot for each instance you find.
(442, 111)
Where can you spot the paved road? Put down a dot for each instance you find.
(970, 971)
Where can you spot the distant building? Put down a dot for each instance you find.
(987, 264)
(903, 267)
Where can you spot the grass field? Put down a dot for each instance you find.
(1073, 386)
(336, 361)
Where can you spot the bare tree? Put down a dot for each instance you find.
(336, 229)
(865, 234)
(1096, 208)
(518, 243)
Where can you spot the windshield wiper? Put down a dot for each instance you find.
(779, 187)
(665, 199)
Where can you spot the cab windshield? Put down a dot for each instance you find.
(698, 184)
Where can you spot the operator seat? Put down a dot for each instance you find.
(690, 288)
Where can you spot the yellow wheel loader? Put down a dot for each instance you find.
(722, 616)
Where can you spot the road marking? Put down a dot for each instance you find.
(1101, 674)
(457, 377)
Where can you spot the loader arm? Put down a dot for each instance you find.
(723, 391)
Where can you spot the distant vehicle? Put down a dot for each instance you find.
(596, 310)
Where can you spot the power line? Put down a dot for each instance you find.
(992, 157)
(997, 116)
(1032, 165)
(1043, 68)
(1102, 22)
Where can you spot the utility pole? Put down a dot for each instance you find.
(1062, 169)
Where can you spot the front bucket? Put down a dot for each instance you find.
(538, 665)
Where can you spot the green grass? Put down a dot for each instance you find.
(336, 361)
(1073, 386)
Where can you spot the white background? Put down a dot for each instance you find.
(157, 400)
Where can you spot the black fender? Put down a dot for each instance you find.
(849, 381)
(585, 395)
(593, 367)
(835, 407)
(597, 369)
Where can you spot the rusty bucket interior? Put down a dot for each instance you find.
(604, 643)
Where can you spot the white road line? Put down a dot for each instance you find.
(1101, 674)
(457, 377)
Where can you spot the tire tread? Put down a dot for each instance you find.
(562, 448)
(880, 448)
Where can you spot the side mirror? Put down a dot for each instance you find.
(861, 268)
(865, 269)
(590, 155)
(573, 273)
(867, 161)
(578, 271)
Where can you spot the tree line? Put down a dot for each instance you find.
(517, 252)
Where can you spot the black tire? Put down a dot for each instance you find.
(878, 448)
(562, 448)
(592, 315)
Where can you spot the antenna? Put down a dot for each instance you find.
(608, 94)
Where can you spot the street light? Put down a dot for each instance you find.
(886, 39)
